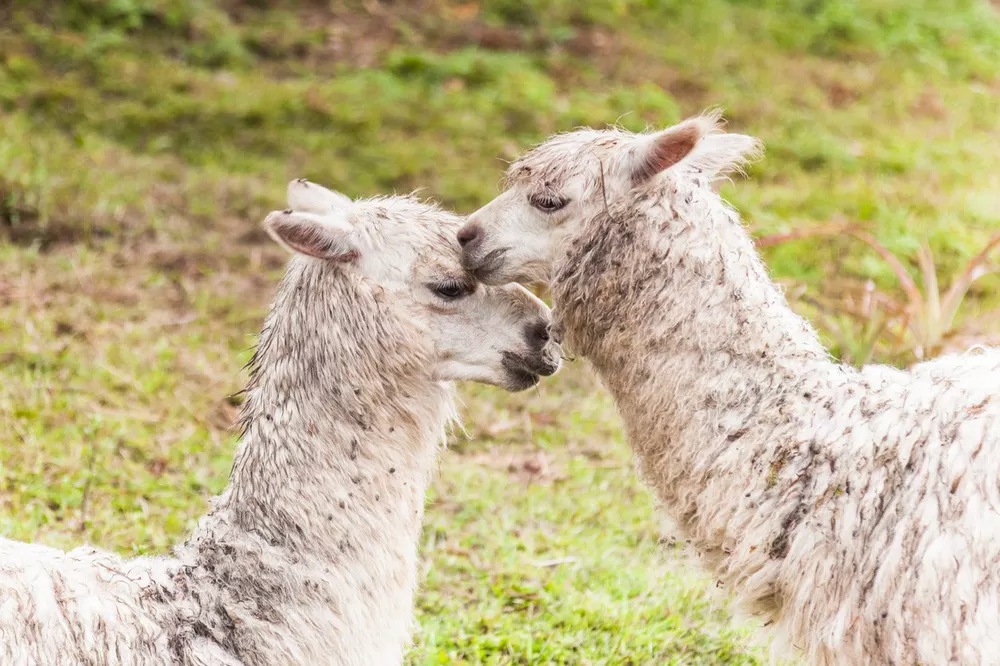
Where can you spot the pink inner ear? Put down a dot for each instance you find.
(305, 239)
(313, 241)
(666, 151)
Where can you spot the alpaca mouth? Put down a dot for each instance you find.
(521, 379)
(519, 372)
(487, 266)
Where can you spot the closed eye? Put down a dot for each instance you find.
(452, 289)
(548, 203)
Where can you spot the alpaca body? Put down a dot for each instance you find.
(309, 556)
(73, 608)
(856, 511)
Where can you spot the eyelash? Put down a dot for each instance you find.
(451, 290)
(547, 203)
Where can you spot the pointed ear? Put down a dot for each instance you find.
(658, 152)
(307, 196)
(719, 155)
(324, 237)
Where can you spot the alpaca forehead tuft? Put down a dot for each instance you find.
(566, 155)
(569, 154)
(422, 222)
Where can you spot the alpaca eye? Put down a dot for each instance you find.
(547, 202)
(450, 290)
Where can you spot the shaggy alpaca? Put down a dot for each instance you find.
(309, 555)
(857, 510)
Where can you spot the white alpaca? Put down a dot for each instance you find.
(309, 555)
(857, 510)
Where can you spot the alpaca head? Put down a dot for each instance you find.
(406, 250)
(569, 178)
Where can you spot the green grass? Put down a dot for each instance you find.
(143, 141)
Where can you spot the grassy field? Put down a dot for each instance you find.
(143, 141)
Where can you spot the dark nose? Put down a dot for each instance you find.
(537, 334)
(468, 234)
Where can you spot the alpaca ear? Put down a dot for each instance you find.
(719, 155)
(658, 152)
(324, 237)
(307, 196)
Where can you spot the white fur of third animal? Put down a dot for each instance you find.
(309, 556)
(857, 511)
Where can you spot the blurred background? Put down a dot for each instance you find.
(143, 141)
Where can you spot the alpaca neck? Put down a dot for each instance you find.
(332, 409)
(341, 427)
(668, 299)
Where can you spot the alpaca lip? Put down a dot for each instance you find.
(519, 370)
(543, 365)
(521, 379)
(486, 266)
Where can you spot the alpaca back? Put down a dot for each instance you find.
(81, 607)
